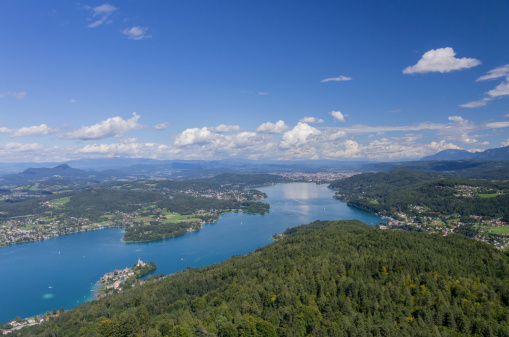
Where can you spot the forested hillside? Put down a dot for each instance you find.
(334, 278)
(401, 190)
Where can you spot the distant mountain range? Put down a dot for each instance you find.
(63, 171)
(501, 153)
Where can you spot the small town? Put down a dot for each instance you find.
(326, 176)
(489, 231)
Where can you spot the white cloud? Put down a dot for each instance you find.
(18, 95)
(18, 147)
(223, 128)
(336, 79)
(359, 128)
(33, 131)
(73, 100)
(261, 93)
(496, 125)
(112, 127)
(476, 104)
(312, 120)
(501, 90)
(100, 14)
(441, 60)
(278, 127)
(194, 136)
(136, 33)
(162, 126)
(459, 130)
(443, 145)
(334, 135)
(456, 119)
(298, 136)
(495, 73)
(506, 143)
(338, 115)
(348, 149)
(130, 148)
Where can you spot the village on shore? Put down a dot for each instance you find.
(112, 282)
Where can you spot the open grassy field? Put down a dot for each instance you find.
(500, 230)
(492, 195)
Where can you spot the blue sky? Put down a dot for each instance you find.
(292, 80)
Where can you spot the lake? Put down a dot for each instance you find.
(39, 276)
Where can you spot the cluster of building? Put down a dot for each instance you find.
(19, 323)
(31, 228)
(437, 225)
(326, 176)
(114, 281)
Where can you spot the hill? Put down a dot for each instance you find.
(332, 278)
(60, 172)
(501, 153)
(450, 155)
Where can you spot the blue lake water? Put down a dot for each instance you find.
(39, 276)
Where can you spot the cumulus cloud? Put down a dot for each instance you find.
(334, 135)
(223, 128)
(162, 126)
(338, 115)
(136, 33)
(312, 120)
(100, 14)
(18, 95)
(336, 79)
(441, 60)
(459, 130)
(443, 145)
(348, 149)
(495, 73)
(298, 136)
(194, 136)
(112, 127)
(33, 131)
(274, 128)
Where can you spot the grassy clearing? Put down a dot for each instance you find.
(62, 201)
(500, 230)
(484, 196)
(374, 202)
(148, 207)
(35, 187)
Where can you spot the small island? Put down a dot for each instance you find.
(119, 280)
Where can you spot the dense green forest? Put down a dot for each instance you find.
(332, 278)
(401, 189)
